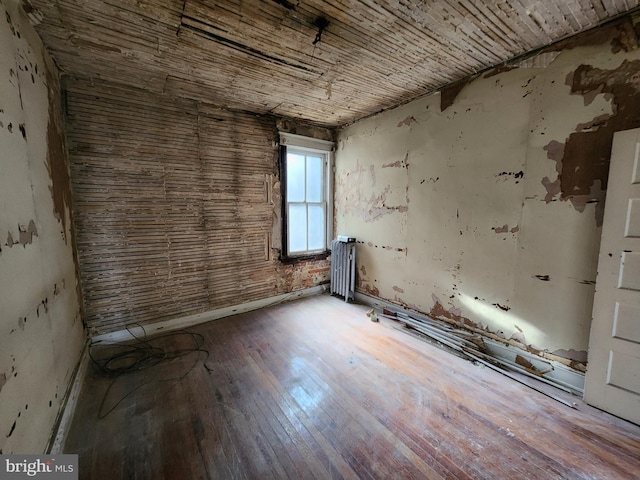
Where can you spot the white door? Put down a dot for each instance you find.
(613, 374)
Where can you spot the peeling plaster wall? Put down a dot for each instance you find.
(482, 204)
(41, 332)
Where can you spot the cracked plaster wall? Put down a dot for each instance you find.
(483, 204)
(41, 332)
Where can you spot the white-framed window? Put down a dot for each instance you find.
(307, 194)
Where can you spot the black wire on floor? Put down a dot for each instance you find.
(139, 355)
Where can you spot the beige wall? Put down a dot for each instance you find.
(485, 211)
(41, 333)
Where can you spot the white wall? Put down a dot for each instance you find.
(41, 332)
(428, 194)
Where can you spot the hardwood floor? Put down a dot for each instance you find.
(314, 389)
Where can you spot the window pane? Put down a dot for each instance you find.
(295, 177)
(297, 228)
(316, 227)
(314, 179)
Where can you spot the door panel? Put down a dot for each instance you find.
(624, 372)
(613, 374)
(625, 322)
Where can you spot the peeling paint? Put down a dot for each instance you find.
(13, 427)
(501, 307)
(403, 303)
(453, 314)
(593, 124)
(34, 217)
(407, 121)
(27, 233)
(373, 207)
(370, 289)
(576, 356)
(541, 60)
(518, 336)
(552, 188)
(57, 160)
(363, 284)
(443, 149)
(399, 163)
(516, 175)
(449, 93)
(627, 39)
(583, 161)
(500, 69)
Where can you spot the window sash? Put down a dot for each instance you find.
(294, 246)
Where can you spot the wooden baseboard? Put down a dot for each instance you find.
(63, 422)
(191, 320)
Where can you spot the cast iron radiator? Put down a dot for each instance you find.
(343, 267)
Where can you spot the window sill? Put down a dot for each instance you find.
(306, 258)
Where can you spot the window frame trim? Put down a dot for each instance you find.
(314, 146)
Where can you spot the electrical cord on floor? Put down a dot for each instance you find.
(141, 354)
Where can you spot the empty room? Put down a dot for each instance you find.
(320, 239)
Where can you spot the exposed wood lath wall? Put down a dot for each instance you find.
(260, 55)
(174, 207)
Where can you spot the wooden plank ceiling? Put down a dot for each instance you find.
(267, 56)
